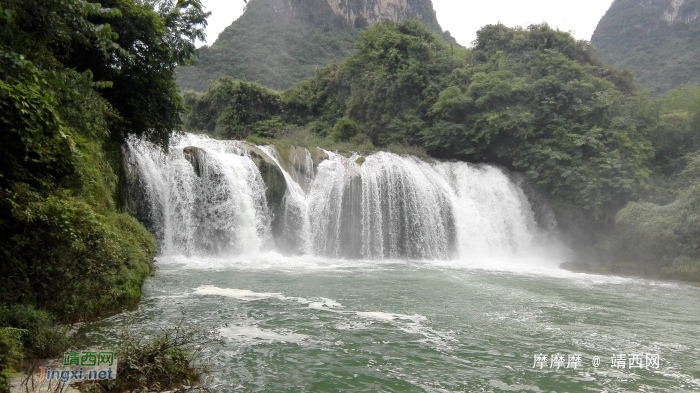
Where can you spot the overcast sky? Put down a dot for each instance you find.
(463, 18)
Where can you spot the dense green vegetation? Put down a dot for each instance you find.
(225, 110)
(278, 44)
(534, 100)
(662, 229)
(75, 79)
(26, 333)
(621, 170)
(662, 53)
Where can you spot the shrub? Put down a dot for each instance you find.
(10, 353)
(269, 128)
(682, 268)
(70, 260)
(41, 337)
(230, 107)
(169, 359)
(344, 129)
(26, 333)
(667, 236)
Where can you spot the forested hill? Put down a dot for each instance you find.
(280, 42)
(655, 39)
(620, 170)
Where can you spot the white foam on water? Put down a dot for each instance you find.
(325, 304)
(414, 325)
(411, 324)
(523, 266)
(390, 317)
(240, 294)
(513, 388)
(253, 334)
(247, 295)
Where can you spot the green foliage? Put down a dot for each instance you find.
(320, 101)
(70, 260)
(343, 129)
(392, 78)
(62, 240)
(35, 146)
(676, 133)
(269, 128)
(75, 78)
(271, 48)
(662, 229)
(278, 43)
(683, 269)
(312, 141)
(534, 100)
(661, 234)
(24, 333)
(152, 42)
(662, 54)
(386, 86)
(10, 353)
(127, 47)
(232, 109)
(34, 329)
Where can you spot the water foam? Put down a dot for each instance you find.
(410, 324)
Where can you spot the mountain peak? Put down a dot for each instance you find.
(280, 42)
(655, 39)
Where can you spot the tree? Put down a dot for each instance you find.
(536, 101)
(75, 79)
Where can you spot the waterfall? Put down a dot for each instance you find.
(208, 197)
(205, 198)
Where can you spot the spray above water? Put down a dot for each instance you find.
(210, 198)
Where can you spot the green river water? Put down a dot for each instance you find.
(313, 325)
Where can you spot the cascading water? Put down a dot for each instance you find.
(208, 197)
(385, 273)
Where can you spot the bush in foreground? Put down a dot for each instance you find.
(171, 359)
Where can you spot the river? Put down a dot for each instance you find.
(317, 325)
(390, 274)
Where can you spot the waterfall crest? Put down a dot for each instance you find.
(209, 197)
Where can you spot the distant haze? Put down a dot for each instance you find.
(464, 18)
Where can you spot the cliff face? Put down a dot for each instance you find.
(280, 42)
(655, 39)
(371, 11)
(679, 12)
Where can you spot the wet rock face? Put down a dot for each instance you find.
(275, 184)
(301, 166)
(275, 189)
(135, 196)
(192, 155)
